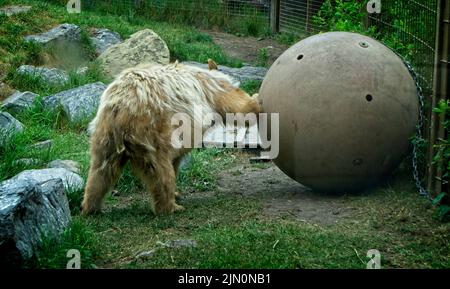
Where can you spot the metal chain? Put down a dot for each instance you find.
(419, 128)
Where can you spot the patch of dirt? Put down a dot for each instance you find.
(247, 48)
(284, 197)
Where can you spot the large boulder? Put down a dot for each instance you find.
(242, 74)
(8, 126)
(103, 39)
(19, 101)
(70, 180)
(79, 104)
(51, 75)
(144, 46)
(63, 32)
(29, 211)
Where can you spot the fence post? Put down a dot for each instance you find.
(275, 16)
(308, 15)
(441, 91)
(365, 17)
(137, 4)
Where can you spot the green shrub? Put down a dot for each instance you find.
(442, 160)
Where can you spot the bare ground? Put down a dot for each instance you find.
(247, 48)
(284, 197)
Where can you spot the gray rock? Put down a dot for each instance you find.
(185, 163)
(14, 9)
(181, 243)
(71, 181)
(26, 162)
(19, 101)
(8, 127)
(30, 210)
(144, 46)
(242, 74)
(63, 32)
(70, 165)
(173, 244)
(51, 75)
(79, 103)
(145, 255)
(46, 144)
(104, 39)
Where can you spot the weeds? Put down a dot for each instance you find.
(251, 86)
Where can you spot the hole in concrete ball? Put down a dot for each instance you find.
(364, 44)
(369, 97)
(300, 57)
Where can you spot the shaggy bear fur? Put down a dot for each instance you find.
(133, 123)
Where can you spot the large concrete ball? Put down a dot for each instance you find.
(347, 108)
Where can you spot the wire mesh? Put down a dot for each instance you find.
(296, 16)
(409, 27)
(199, 8)
(403, 25)
(413, 23)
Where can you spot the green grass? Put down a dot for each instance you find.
(34, 83)
(289, 38)
(201, 169)
(263, 57)
(251, 86)
(256, 244)
(262, 166)
(231, 233)
(53, 253)
(184, 43)
(250, 22)
(41, 125)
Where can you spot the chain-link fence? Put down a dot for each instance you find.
(225, 14)
(297, 16)
(233, 7)
(406, 26)
(410, 25)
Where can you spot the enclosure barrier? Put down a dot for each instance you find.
(293, 16)
(210, 13)
(438, 130)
